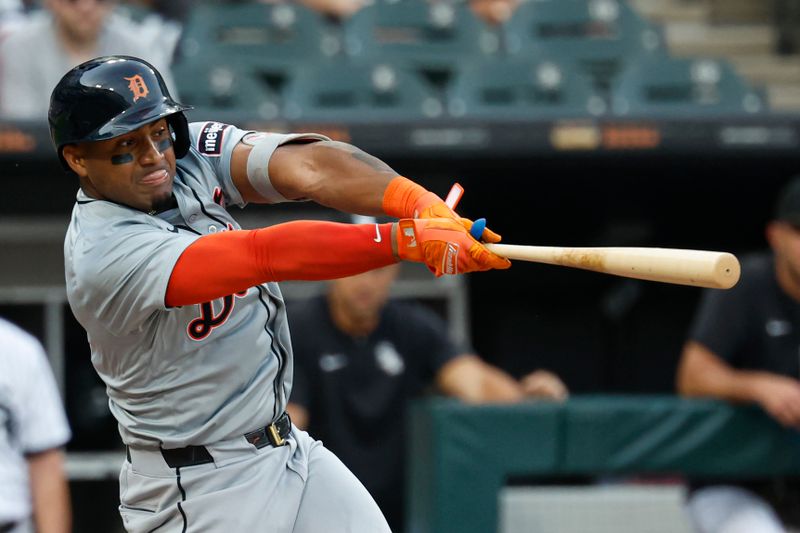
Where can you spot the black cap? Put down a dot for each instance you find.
(787, 208)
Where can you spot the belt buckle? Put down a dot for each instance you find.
(275, 436)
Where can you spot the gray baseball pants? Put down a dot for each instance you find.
(298, 488)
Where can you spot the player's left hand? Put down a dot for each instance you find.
(445, 246)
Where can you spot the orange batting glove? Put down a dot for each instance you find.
(445, 246)
(405, 199)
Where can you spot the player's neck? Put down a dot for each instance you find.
(348, 322)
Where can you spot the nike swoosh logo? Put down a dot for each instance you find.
(378, 237)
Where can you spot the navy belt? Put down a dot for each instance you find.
(274, 434)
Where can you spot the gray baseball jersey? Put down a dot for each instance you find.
(191, 375)
(200, 375)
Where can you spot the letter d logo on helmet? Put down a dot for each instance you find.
(138, 87)
(110, 96)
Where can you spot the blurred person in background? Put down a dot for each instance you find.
(360, 357)
(743, 346)
(33, 430)
(51, 41)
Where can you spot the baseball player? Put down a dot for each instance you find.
(33, 429)
(186, 323)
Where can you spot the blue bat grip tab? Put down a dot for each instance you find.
(477, 228)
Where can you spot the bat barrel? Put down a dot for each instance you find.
(699, 268)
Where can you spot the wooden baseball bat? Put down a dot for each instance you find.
(699, 268)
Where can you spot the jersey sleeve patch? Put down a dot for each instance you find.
(209, 142)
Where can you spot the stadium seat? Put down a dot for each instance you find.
(596, 36)
(344, 92)
(684, 87)
(268, 38)
(417, 34)
(221, 89)
(521, 89)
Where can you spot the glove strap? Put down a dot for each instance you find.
(408, 248)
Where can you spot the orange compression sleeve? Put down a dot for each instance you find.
(220, 264)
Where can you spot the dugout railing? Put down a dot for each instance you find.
(462, 456)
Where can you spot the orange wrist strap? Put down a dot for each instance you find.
(224, 263)
(403, 198)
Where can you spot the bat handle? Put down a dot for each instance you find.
(453, 197)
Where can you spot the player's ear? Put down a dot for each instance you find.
(73, 155)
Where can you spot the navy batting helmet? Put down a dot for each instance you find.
(110, 96)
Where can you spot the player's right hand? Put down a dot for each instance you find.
(445, 246)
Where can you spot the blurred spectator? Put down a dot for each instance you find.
(743, 347)
(33, 428)
(35, 56)
(360, 358)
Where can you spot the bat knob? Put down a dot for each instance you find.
(477, 229)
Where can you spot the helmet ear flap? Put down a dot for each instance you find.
(180, 132)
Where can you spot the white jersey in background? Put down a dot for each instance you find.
(32, 417)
